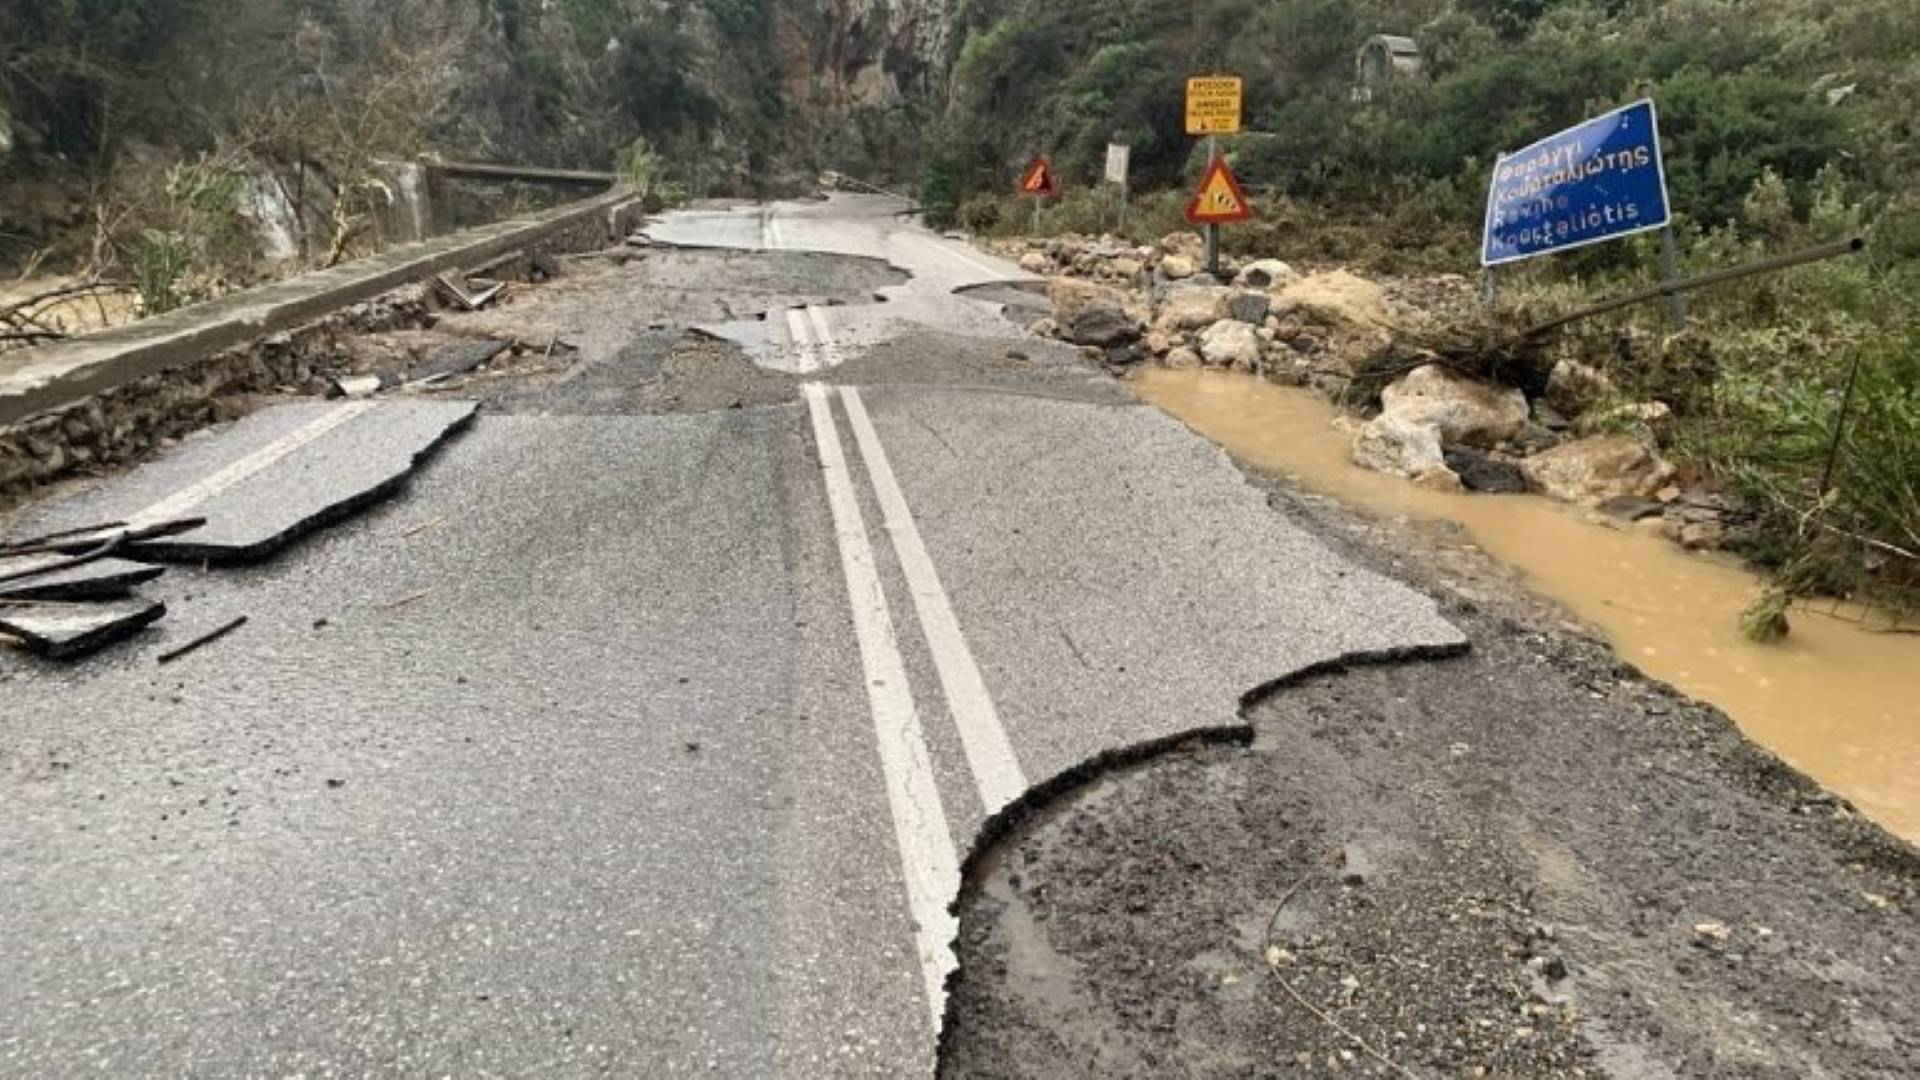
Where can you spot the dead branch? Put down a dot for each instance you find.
(1317, 1012)
(1813, 517)
(203, 641)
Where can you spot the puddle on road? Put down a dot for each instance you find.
(1838, 702)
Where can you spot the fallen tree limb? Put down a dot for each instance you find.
(1299, 999)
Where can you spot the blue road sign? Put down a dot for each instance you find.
(1599, 181)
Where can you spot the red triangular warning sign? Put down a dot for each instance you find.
(1039, 181)
(1220, 198)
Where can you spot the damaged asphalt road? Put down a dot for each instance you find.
(644, 727)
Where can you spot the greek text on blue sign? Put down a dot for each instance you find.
(1599, 181)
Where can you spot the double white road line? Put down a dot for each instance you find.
(927, 854)
(928, 860)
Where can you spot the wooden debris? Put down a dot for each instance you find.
(406, 601)
(203, 641)
(458, 292)
(94, 542)
(35, 545)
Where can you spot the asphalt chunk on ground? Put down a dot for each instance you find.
(267, 480)
(53, 577)
(63, 631)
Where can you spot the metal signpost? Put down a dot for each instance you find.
(1119, 164)
(1215, 105)
(1599, 181)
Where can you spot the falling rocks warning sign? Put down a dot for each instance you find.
(1220, 198)
(1039, 181)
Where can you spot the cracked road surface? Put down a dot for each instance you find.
(644, 745)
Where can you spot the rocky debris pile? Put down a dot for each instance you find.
(1481, 418)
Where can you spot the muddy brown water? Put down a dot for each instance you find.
(1837, 701)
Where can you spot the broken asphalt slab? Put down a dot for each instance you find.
(65, 631)
(267, 480)
(52, 577)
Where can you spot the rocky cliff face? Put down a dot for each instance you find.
(861, 78)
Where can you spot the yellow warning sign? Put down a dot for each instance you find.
(1220, 198)
(1214, 105)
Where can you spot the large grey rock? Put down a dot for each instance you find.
(1231, 344)
(1191, 307)
(1398, 446)
(1089, 314)
(1593, 471)
(1464, 411)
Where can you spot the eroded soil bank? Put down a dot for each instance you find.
(1836, 700)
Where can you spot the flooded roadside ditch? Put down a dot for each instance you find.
(1836, 700)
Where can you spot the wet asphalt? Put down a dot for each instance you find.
(562, 761)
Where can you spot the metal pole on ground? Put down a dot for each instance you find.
(1490, 287)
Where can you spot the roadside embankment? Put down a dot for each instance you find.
(111, 397)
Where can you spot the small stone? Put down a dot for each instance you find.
(1265, 274)
(1183, 359)
(1712, 931)
(1660, 528)
(1035, 263)
(1704, 536)
(1178, 267)
(1249, 307)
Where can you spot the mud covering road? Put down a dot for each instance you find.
(1523, 861)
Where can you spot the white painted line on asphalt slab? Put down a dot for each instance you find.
(808, 361)
(180, 503)
(951, 252)
(996, 769)
(823, 336)
(927, 858)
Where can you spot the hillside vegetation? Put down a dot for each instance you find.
(1784, 122)
(124, 118)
